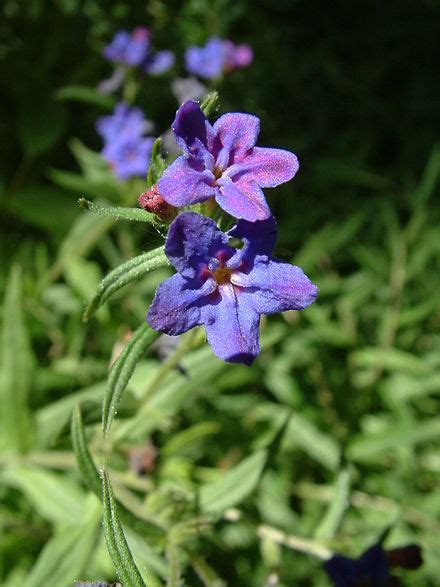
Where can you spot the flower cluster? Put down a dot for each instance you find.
(223, 287)
(216, 57)
(126, 149)
(134, 49)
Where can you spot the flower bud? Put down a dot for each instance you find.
(152, 201)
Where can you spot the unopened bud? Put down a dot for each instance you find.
(152, 201)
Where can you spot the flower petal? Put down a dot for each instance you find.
(267, 167)
(160, 62)
(235, 135)
(193, 240)
(190, 124)
(176, 307)
(232, 326)
(277, 286)
(186, 182)
(242, 200)
(259, 236)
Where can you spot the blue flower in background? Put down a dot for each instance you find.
(223, 288)
(134, 49)
(216, 57)
(221, 161)
(126, 149)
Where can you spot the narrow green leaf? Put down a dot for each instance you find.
(17, 368)
(84, 458)
(122, 370)
(157, 164)
(429, 178)
(133, 269)
(210, 104)
(340, 502)
(66, 556)
(119, 213)
(116, 543)
(205, 572)
(234, 486)
(86, 95)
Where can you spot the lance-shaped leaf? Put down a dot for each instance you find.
(83, 457)
(16, 368)
(127, 272)
(116, 542)
(119, 213)
(233, 486)
(122, 370)
(157, 164)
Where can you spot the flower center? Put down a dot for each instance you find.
(218, 172)
(222, 275)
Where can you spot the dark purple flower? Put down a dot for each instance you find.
(207, 61)
(222, 162)
(371, 569)
(223, 288)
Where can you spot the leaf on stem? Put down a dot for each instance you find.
(116, 542)
(84, 459)
(130, 271)
(122, 370)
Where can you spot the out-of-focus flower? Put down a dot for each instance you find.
(126, 149)
(237, 56)
(134, 49)
(222, 162)
(129, 158)
(188, 89)
(223, 288)
(216, 57)
(372, 568)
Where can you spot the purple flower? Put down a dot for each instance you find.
(207, 61)
(237, 56)
(134, 50)
(125, 148)
(131, 49)
(129, 157)
(222, 162)
(216, 57)
(124, 123)
(159, 62)
(371, 569)
(223, 288)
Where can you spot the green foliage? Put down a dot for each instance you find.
(222, 475)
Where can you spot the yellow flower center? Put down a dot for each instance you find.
(222, 275)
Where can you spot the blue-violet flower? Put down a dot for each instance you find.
(216, 57)
(222, 162)
(223, 288)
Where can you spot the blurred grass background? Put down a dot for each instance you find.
(352, 89)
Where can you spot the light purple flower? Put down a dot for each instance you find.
(131, 49)
(125, 148)
(125, 122)
(237, 56)
(207, 61)
(222, 162)
(223, 288)
(129, 157)
(216, 57)
(134, 49)
(159, 62)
